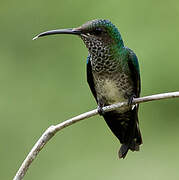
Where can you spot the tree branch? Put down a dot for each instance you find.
(52, 130)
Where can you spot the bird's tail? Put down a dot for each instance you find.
(125, 127)
(123, 151)
(134, 146)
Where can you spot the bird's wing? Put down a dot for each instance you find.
(90, 77)
(135, 72)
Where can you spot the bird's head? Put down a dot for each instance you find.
(96, 34)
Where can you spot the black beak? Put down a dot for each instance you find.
(74, 31)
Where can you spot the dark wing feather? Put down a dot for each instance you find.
(90, 77)
(135, 72)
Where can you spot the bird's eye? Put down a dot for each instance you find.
(97, 31)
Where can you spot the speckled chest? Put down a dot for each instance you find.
(112, 84)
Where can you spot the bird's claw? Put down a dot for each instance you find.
(100, 110)
(130, 101)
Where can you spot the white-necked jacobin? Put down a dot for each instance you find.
(113, 76)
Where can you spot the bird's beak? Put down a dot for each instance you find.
(74, 31)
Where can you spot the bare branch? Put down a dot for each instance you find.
(52, 130)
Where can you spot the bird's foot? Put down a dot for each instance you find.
(130, 101)
(100, 110)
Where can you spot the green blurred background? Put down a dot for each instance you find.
(43, 82)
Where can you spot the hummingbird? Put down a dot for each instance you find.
(113, 76)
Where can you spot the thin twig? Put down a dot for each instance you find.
(52, 130)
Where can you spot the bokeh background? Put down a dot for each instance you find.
(43, 82)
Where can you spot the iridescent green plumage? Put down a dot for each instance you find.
(113, 76)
